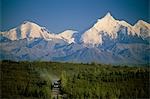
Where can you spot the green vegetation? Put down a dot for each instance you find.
(21, 80)
(105, 82)
(33, 80)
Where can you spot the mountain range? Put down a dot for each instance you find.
(108, 41)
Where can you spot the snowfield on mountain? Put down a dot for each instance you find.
(108, 41)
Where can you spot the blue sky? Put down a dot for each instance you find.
(59, 15)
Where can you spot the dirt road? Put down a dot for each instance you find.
(56, 93)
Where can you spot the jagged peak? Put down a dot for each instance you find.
(109, 26)
(106, 24)
(141, 22)
(108, 16)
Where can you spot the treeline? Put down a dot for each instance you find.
(78, 81)
(20, 80)
(105, 82)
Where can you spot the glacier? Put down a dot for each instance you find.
(108, 41)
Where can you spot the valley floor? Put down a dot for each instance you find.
(28, 80)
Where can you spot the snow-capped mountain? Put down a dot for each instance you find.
(29, 30)
(109, 41)
(108, 26)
